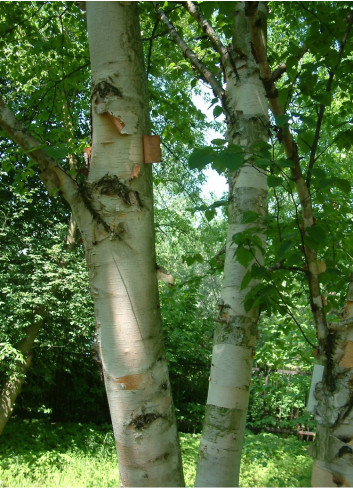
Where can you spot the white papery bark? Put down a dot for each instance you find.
(235, 332)
(119, 241)
(114, 212)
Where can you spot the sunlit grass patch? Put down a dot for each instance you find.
(41, 454)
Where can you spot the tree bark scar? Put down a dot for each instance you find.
(111, 185)
(103, 89)
(144, 420)
(86, 198)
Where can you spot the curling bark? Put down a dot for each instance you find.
(114, 212)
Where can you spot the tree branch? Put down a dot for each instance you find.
(291, 150)
(52, 175)
(205, 73)
(223, 51)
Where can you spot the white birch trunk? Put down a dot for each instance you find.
(235, 332)
(120, 250)
(114, 212)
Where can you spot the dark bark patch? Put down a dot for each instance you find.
(111, 185)
(104, 89)
(162, 457)
(144, 420)
(345, 450)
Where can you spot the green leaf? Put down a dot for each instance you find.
(210, 214)
(273, 181)
(323, 98)
(58, 153)
(317, 233)
(282, 120)
(217, 111)
(263, 163)
(219, 142)
(246, 280)
(231, 161)
(249, 216)
(285, 163)
(284, 247)
(201, 157)
(345, 139)
(311, 243)
(244, 256)
(294, 259)
(343, 184)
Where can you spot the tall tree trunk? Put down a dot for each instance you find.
(236, 328)
(120, 251)
(114, 212)
(13, 385)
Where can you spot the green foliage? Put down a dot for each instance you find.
(10, 358)
(38, 454)
(229, 158)
(270, 461)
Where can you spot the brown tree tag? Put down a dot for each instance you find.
(151, 149)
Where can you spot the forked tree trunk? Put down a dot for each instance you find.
(13, 385)
(236, 329)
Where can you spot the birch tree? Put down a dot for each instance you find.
(245, 108)
(114, 212)
(315, 52)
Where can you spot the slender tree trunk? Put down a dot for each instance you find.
(13, 385)
(236, 328)
(120, 251)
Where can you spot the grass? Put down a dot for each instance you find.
(39, 454)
